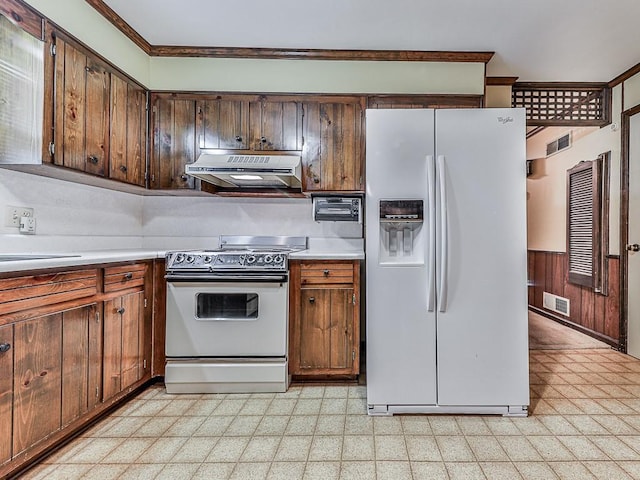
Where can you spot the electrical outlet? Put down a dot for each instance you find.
(12, 215)
(28, 225)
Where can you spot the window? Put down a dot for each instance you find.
(21, 95)
(587, 223)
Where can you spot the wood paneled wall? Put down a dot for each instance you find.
(592, 313)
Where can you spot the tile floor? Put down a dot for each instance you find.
(584, 424)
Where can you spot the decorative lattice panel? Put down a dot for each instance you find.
(556, 104)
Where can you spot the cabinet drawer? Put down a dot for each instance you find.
(23, 293)
(325, 273)
(124, 277)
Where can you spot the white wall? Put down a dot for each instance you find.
(632, 92)
(69, 216)
(546, 188)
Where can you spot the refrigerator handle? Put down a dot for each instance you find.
(431, 270)
(444, 241)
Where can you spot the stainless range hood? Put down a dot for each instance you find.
(246, 171)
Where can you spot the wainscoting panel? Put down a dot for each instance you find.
(592, 313)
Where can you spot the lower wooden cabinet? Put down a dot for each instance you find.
(324, 333)
(6, 391)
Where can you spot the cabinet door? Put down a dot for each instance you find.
(80, 367)
(127, 146)
(326, 329)
(6, 391)
(37, 380)
(275, 125)
(223, 123)
(112, 349)
(132, 339)
(81, 121)
(174, 125)
(333, 153)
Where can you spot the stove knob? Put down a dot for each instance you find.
(251, 259)
(278, 259)
(190, 258)
(179, 258)
(207, 259)
(268, 259)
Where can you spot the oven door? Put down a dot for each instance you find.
(218, 318)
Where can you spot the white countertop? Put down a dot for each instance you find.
(80, 258)
(322, 254)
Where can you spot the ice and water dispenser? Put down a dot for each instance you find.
(401, 232)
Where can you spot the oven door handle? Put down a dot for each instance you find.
(227, 278)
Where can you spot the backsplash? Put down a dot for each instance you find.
(78, 217)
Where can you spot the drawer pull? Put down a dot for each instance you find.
(120, 310)
(128, 276)
(326, 272)
(5, 347)
(312, 299)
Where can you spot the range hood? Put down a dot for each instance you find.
(246, 171)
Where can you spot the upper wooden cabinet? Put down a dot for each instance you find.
(173, 143)
(333, 152)
(275, 124)
(223, 122)
(99, 118)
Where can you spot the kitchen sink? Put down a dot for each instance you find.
(19, 257)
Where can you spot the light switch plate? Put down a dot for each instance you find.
(28, 225)
(12, 215)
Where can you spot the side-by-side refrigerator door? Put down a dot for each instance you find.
(400, 329)
(482, 286)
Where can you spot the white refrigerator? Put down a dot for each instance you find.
(446, 262)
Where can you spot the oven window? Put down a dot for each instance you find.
(227, 306)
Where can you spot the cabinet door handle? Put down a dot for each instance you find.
(5, 347)
(312, 299)
(93, 159)
(128, 276)
(120, 310)
(326, 273)
(184, 177)
(238, 138)
(263, 139)
(123, 168)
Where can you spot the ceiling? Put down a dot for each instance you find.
(540, 40)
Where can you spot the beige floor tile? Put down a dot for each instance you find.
(308, 406)
(250, 471)
(301, 425)
(326, 449)
(454, 449)
(356, 406)
(358, 425)
(589, 406)
(444, 425)
(551, 449)
(312, 392)
(615, 425)
(203, 407)
(177, 407)
(162, 450)
(209, 471)
(214, 426)
(295, 449)
(614, 448)
(357, 391)
(243, 426)
(607, 470)
(500, 471)
(281, 406)
(184, 427)
(91, 451)
(465, 471)
(128, 451)
(330, 425)
(586, 425)
(633, 441)
(582, 448)
(393, 471)
(105, 472)
(535, 471)
(178, 471)
(502, 426)
(519, 449)
(416, 425)
(429, 471)
(261, 449)
(391, 447)
(571, 471)
(337, 391)
(141, 471)
(125, 427)
(558, 425)
(531, 426)
(358, 470)
(229, 406)
(333, 406)
(255, 406)
(272, 425)
(631, 467)
(422, 448)
(471, 425)
(358, 447)
(155, 427)
(487, 449)
(227, 450)
(387, 426)
(286, 470)
(322, 471)
(194, 450)
(149, 408)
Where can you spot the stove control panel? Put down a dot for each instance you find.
(212, 261)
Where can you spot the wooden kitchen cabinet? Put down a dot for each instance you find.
(6, 392)
(126, 329)
(275, 124)
(223, 122)
(99, 117)
(333, 152)
(173, 142)
(324, 318)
